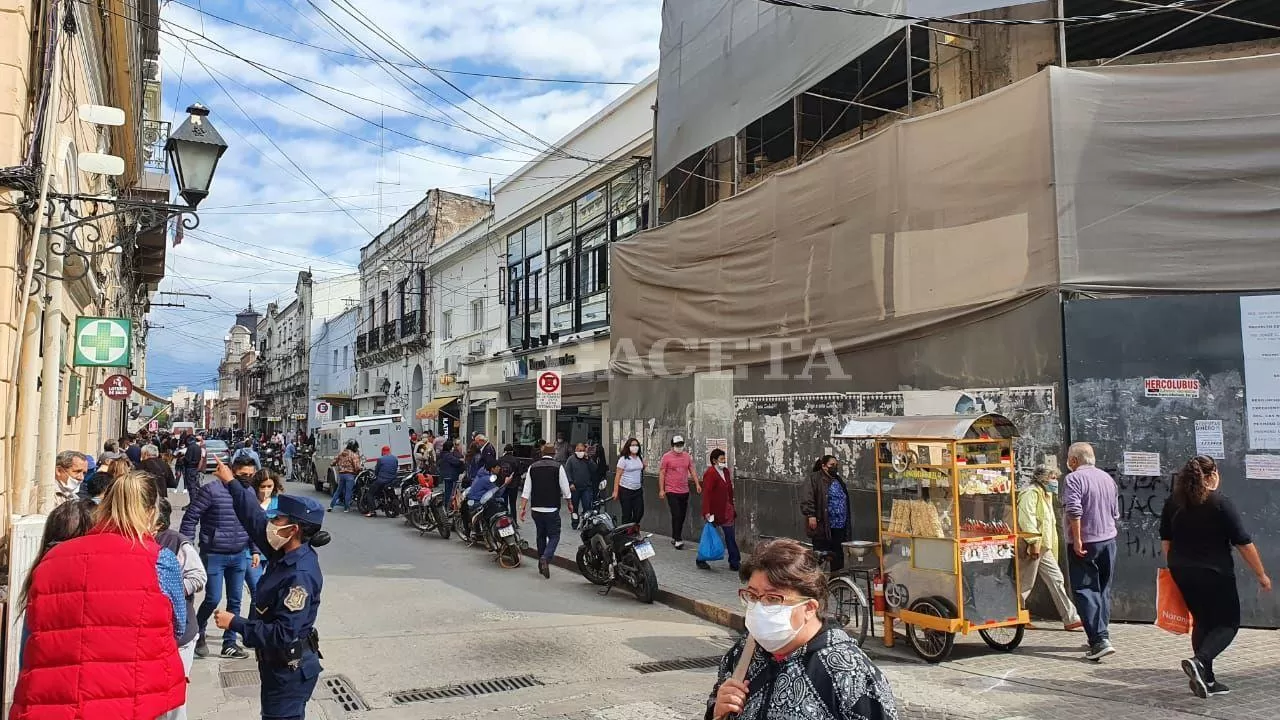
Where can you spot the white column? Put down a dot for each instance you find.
(49, 429)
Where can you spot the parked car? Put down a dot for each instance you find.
(215, 449)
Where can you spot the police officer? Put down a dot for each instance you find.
(281, 626)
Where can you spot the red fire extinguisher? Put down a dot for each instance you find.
(877, 592)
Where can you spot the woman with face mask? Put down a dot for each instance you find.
(717, 505)
(798, 663)
(827, 513)
(281, 625)
(628, 482)
(1039, 555)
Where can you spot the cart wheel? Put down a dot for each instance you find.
(1004, 639)
(896, 595)
(932, 646)
(847, 606)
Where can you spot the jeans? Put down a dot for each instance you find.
(1214, 602)
(583, 499)
(731, 546)
(376, 489)
(191, 480)
(288, 468)
(450, 484)
(834, 545)
(632, 502)
(679, 504)
(1091, 587)
(228, 570)
(1046, 568)
(254, 574)
(548, 525)
(346, 483)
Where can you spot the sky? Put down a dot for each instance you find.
(315, 170)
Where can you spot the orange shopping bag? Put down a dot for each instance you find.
(1171, 610)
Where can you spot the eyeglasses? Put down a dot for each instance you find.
(749, 596)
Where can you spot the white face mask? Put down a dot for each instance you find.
(722, 465)
(635, 449)
(771, 626)
(275, 537)
(581, 453)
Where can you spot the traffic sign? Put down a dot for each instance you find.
(154, 425)
(117, 387)
(103, 342)
(322, 408)
(548, 386)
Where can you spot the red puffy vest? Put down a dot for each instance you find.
(102, 645)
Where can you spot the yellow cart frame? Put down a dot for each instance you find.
(948, 444)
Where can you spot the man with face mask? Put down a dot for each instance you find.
(582, 482)
(68, 473)
(281, 625)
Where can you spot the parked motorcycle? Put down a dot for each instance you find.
(612, 553)
(304, 466)
(388, 500)
(426, 507)
(272, 459)
(493, 526)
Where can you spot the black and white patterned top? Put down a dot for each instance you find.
(827, 679)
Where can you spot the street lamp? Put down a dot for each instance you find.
(194, 150)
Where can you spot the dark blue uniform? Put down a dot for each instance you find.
(283, 613)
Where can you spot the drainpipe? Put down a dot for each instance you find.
(48, 431)
(24, 446)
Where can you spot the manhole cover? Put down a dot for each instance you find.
(487, 687)
(700, 663)
(344, 693)
(239, 678)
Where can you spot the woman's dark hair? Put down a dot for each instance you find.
(787, 564)
(276, 481)
(68, 520)
(313, 535)
(164, 513)
(822, 462)
(716, 455)
(1191, 486)
(99, 483)
(626, 447)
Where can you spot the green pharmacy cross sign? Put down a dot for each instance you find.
(103, 342)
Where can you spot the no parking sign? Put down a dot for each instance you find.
(548, 386)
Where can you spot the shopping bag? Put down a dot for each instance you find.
(1171, 610)
(711, 547)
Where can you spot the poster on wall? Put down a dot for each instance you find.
(1262, 467)
(1142, 464)
(1173, 387)
(1209, 440)
(1260, 338)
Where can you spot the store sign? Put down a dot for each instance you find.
(154, 425)
(103, 342)
(987, 552)
(552, 362)
(117, 387)
(548, 387)
(1173, 387)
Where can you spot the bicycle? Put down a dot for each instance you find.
(845, 603)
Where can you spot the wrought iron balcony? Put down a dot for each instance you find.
(372, 340)
(388, 333)
(154, 135)
(361, 343)
(409, 324)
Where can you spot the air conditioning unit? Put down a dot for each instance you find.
(477, 347)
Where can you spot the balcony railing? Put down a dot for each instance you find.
(362, 343)
(409, 325)
(388, 333)
(373, 340)
(154, 135)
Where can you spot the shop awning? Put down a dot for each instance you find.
(431, 410)
(480, 404)
(150, 396)
(334, 397)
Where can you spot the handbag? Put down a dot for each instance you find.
(711, 546)
(1172, 614)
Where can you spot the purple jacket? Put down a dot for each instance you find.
(220, 530)
(1090, 495)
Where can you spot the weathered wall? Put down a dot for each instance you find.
(1113, 345)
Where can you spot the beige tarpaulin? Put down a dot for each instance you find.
(934, 220)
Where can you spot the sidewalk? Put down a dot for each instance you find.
(1048, 669)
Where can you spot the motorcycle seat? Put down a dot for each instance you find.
(625, 529)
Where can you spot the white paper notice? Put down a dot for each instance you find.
(1262, 467)
(1144, 464)
(746, 432)
(1260, 337)
(1209, 439)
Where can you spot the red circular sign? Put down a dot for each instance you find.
(117, 387)
(549, 382)
(322, 408)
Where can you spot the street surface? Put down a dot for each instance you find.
(402, 612)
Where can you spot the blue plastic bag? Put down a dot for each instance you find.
(711, 547)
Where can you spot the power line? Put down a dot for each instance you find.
(1104, 17)
(416, 66)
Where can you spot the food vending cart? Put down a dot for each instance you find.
(947, 500)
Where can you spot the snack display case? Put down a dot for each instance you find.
(947, 496)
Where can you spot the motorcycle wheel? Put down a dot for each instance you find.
(422, 520)
(646, 586)
(442, 522)
(461, 528)
(589, 567)
(364, 501)
(509, 556)
(391, 507)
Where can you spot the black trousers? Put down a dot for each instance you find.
(1214, 602)
(632, 502)
(679, 504)
(834, 546)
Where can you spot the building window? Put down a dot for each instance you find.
(335, 358)
(401, 290)
(346, 349)
(373, 316)
(477, 314)
(446, 324)
(386, 307)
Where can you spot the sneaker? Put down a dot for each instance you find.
(679, 544)
(234, 652)
(1100, 650)
(329, 510)
(1217, 688)
(703, 565)
(1076, 626)
(202, 648)
(1195, 671)
(545, 568)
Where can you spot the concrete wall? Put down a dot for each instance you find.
(331, 375)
